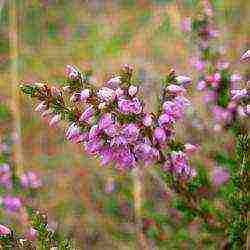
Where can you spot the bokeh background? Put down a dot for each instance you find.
(102, 35)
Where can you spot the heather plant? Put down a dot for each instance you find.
(111, 123)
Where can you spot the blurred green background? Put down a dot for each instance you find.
(102, 35)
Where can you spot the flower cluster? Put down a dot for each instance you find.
(111, 122)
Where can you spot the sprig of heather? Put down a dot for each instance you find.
(42, 236)
(111, 121)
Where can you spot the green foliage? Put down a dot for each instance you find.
(223, 93)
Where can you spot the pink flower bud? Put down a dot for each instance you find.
(175, 89)
(248, 109)
(201, 85)
(245, 56)
(147, 120)
(41, 107)
(186, 25)
(55, 120)
(241, 111)
(55, 91)
(84, 95)
(4, 230)
(235, 77)
(119, 92)
(106, 94)
(114, 82)
(71, 72)
(190, 148)
(183, 80)
(220, 176)
(132, 90)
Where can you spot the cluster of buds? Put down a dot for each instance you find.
(111, 122)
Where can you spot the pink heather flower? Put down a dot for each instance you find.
(131, 132)
(112, 130)
(220, 176)
(238, 93)
(119, 92)
(94, 132)
(221, 114)
(55, 91)
(6, 177)
(177, 163)
(132, 91)
(4, 168)
(31, 234)
(245, 56)
(46, 113)
(232, 106)
(114, 82)
(129, 106)
(147, 120)
(160, 135)
(72, 132)
(165, 119)
(235, 77)
(41, 107)
(11, 204)
(222, 65)
(93, 147)
(30, 180)
(106, 155)
(201, 85)
(87, 114)
(105, 121)
(185, 24)
(197, 63)
(241, 111)
(4, 230)
(183, 80)
(145, 153)
(106, 94)
(216, 77)
(55, 120)
(175, 89)
(136, 106)
(119, 140)
(207, 8)
(248, 109)
(127, 68)
(125, 158)
(71, 72)
(124, 106)
(84, 95)
(190, 148)
(181, 102)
